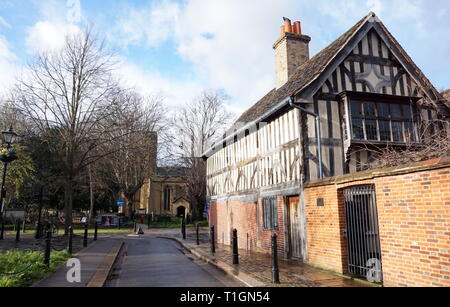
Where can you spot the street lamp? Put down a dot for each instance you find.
(9, 137)
(7, 155)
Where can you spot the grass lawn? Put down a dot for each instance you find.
(174, 223)
(22, 269)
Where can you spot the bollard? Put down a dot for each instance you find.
(48, 248)
(37, 231)
(183, 228)
(96, 232)
(149, 221)
(85, 239)
(235, 247)
(212, 238)
(275, 270)
(2, 231)
(197, 231)
(70, 242)
(135, 227)
(18, 231)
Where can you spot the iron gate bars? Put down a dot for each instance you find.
(362, 233)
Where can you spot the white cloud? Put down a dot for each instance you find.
(151, 25)
(236, 55)
(57, 20)
(148, 82)
(228, 42)
(8, 66)
(47, 35)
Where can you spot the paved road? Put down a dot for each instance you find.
(154, 262)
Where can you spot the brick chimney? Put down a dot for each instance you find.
(291, 51)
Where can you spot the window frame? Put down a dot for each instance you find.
(270, 214)
(167, 197)
(348, 98)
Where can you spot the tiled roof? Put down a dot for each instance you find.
(171, 171)
(446, 95)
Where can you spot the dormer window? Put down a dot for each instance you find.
(376, 118)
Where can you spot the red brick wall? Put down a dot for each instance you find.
(325, 242)
(248, 220)
(414, 215)
(414, 221)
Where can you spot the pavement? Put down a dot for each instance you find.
(144, 261)
(160, 258)
(91, 259)
(154, 262)
(255, 269)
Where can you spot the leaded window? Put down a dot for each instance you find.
(167, 196)
(382, 121)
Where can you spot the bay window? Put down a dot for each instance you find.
(380, 118)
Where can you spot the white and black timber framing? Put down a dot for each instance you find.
(279, 150)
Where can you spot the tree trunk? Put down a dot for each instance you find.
(91, 196)
(129, 204)
(68, 203)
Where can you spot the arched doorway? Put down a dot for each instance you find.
(181, 211)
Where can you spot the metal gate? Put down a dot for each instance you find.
(364, 252)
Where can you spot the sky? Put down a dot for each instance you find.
(177, 48)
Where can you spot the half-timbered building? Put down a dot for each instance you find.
(320, 121)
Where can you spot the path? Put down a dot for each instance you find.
(153, 262)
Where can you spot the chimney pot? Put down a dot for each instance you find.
(291, 51)
(287, 26)
(297, 28)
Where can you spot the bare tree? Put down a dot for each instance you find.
(136, 144)
(71, 92)
(197, 125)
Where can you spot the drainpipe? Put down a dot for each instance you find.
(318, 132)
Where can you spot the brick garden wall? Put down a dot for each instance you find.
(414, 218)
(325, 245)
(413, 206)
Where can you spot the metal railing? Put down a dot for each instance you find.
(362, 231)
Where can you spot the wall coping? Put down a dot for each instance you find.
(384, 172)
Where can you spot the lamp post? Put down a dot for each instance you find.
(9, 137)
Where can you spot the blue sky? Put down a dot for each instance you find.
(177, 48)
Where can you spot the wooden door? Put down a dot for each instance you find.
(294, 227)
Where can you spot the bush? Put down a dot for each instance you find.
(27, 267)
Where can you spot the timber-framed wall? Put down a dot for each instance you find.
(413, 204)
